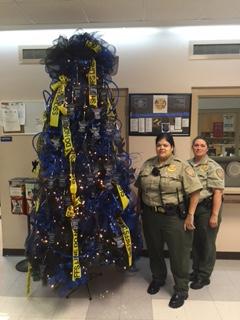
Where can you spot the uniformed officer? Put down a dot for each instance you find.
(208, 213)
(163, 182)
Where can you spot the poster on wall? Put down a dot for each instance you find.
(12, 116)
(229, 122)
(21, 117)
(151, 114)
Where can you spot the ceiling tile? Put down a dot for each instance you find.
(15, 14)
(53, 12)
(114, 10)
(10, 14)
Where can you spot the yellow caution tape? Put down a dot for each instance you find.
(122, 196)
(73, 186)
(73, 183)
(92, 82)
(70, 212)
(127, 239)
(28, 284)
(93, 101)
(67, 139)
(93, 45)
(76, 269)
(72, 158)
(76, 201)
(63, 110)
(36, 170)
(58, 101)
(92, 75)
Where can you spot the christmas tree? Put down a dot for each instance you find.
(84, 214)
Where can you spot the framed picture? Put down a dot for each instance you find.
(151, 114)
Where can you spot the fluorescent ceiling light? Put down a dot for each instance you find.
(44, 37)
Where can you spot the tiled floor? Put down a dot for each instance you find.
(118, 296)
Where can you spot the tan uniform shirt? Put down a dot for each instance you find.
(210, 174)
(166, 188)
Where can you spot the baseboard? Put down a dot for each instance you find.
(220, 255)
(228, 255)
(13, 252)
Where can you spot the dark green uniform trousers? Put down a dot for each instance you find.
(204, 243)
(160, 229)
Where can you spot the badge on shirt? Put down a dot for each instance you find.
(171, 168)
(190, 172)
(220, 173)
(204, 167)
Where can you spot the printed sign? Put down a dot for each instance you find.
(151, 114)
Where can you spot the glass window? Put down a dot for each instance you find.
(219, 123)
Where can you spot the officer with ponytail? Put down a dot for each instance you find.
(208, 213)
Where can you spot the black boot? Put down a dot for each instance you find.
(154, 286)
(178, 299)
(192, 276)
(199, 283)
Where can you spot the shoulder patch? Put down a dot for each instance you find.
(190, 172)
(220, 173)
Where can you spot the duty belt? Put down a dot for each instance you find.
(207, 202)
(168, 209)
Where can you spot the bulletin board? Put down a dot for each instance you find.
(21, 117)
(152, 114)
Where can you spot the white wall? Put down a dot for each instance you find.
(162, 64)
(16, 161)
(151, 61)
(156, 60)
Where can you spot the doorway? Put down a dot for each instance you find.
(216, 117)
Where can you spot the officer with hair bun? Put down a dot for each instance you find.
(208, 213)
(163, 184)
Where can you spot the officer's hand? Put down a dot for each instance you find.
(189, 222)
(213, 221)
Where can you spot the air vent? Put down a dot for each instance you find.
(215, 50)
(32, 54)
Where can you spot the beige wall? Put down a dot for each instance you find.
(228, 237)
(16, 161)
(156, 64)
